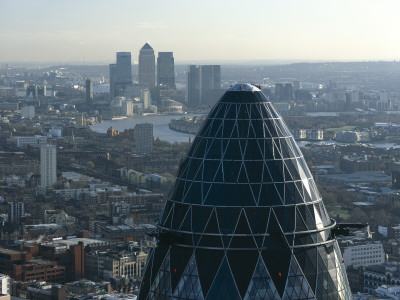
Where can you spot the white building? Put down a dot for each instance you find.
(55, 131)
(389, 292)
(363, 255)
(383, 230)
(4, 284)
(23, 141)
(48, 166)
(145, 98)
(28, 112)
(127, 108)
(58, 217)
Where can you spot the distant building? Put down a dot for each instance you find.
(38, 290)
(315, 135)
(193, 86)
(388, 291)
(363, 254)
(105, 265)
(203, 85)
(381, 274)
(11, 106)
(120, 74)
(145, 97)
(296, 85)
(24, 265)
(48, 166)
(16, 210)
(5, 283)
(348, 136)
(302, 95)
(24, 141)
(154, 180)
(89, 91)
(299, 134)
(144, 138)
(58, 217)
(28, 112)
(112, 132)
(283, 91)
(117, 210)
(171, 106)
(127, 108)
(309, 134)
(56, 131)
(36, 91)
(210, 80)
(166, 70)
(147, 68)
(6, 91)
(351, 164)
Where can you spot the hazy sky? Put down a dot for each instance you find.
(93, 30)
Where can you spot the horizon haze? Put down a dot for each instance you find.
(92, 31)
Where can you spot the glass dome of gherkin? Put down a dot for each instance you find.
(244, 219)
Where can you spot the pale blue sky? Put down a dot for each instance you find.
(93, 30)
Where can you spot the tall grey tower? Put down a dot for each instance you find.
(89, 91)
(244, 219)
(144, 138)
(147, 68)
(166, 70)
(202, 83)
(48, 166)
(120, 74)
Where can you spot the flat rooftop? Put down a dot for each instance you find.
(75, 241)
(357, 177)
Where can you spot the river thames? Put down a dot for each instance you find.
(162, 131)
(160, 127)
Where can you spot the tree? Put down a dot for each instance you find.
(90, 164)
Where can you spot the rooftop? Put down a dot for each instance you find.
(146, 47)
(244, 87)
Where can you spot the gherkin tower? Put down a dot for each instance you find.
(244, 219)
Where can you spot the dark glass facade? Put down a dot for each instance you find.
(245, 219)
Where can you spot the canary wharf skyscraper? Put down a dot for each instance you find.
(147, 66)
(244, 219)
(166, 70)
(120, 74)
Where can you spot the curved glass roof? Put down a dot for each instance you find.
(244, 219)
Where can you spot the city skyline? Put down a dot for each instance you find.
(310, 30)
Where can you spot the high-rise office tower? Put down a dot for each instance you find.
(48, 166)
(147, 68)
(193, 86)
(210, 81)
(166, 70)
(120, 74)
(144, 138)
(202, 82)
(16, 210)
(244, 219)
(89, 91)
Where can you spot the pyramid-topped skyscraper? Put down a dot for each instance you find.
(244, 219)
